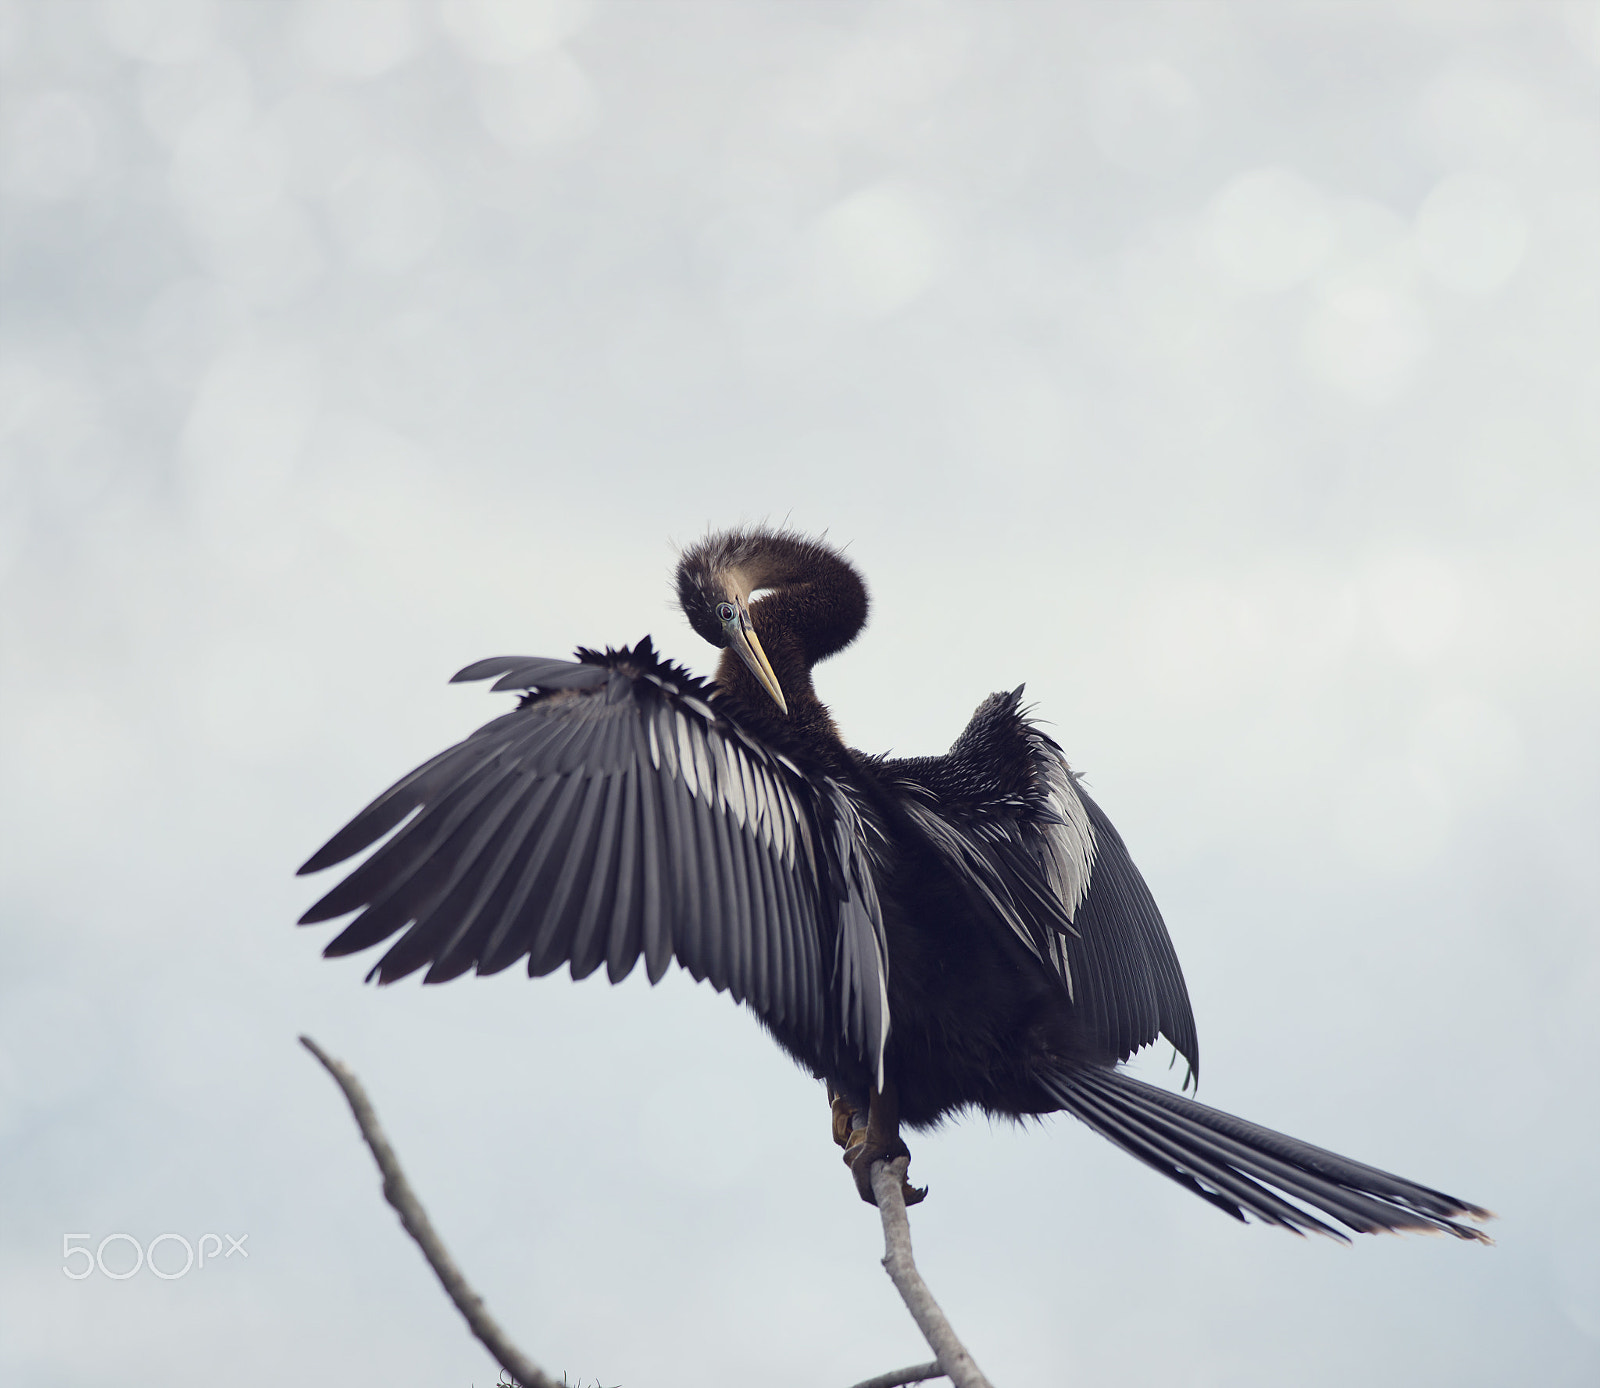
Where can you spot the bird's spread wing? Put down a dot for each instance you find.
(1041, 859)
(621, 810)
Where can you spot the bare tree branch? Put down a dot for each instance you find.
(898, 1378)
(888, 1182)
(888, 1186)
(397, 1191)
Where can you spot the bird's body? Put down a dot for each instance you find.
(925, 935)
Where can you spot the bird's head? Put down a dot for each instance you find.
(815, 606)
(715, 580)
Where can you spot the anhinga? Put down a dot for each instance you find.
(926, 935)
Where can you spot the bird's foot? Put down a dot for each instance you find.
(860, 1152)
(844, 1113)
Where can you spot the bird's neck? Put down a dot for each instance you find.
(815, 607)
(808, 722)
(807, 719)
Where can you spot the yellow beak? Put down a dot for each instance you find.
(744, 640)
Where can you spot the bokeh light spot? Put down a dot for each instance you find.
(877, 251)
(1417, 603)
(356, 38)
(545, 101)
(1269, 229)
(510, 31)
(160, 31)
(48, 150)
(1365, 336)
(1471, 233)
(388, 215)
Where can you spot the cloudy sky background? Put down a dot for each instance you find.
(1230, 373)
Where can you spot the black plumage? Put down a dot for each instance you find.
(926, 934)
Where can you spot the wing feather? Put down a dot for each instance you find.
(590, 939)
(494, 886)
(1038, 858)
(658, 906)
(622, 810)
(623, 933)
(388, 870)
(512, 936)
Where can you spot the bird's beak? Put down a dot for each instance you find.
(745, 641)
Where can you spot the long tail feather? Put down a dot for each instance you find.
(1232, 1163)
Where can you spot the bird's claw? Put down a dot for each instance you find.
(859, 1156)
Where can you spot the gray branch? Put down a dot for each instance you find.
(888, 1179)
(899, 1378)
(397, 1191)
(888, 1182)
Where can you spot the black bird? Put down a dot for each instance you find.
(926, 935)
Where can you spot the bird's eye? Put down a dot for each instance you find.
(725, 611)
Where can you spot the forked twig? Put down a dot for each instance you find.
(888, 1179)
(397, 1191)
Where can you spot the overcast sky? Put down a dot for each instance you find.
(1230, 373)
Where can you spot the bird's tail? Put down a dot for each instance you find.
(1231, 1163)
